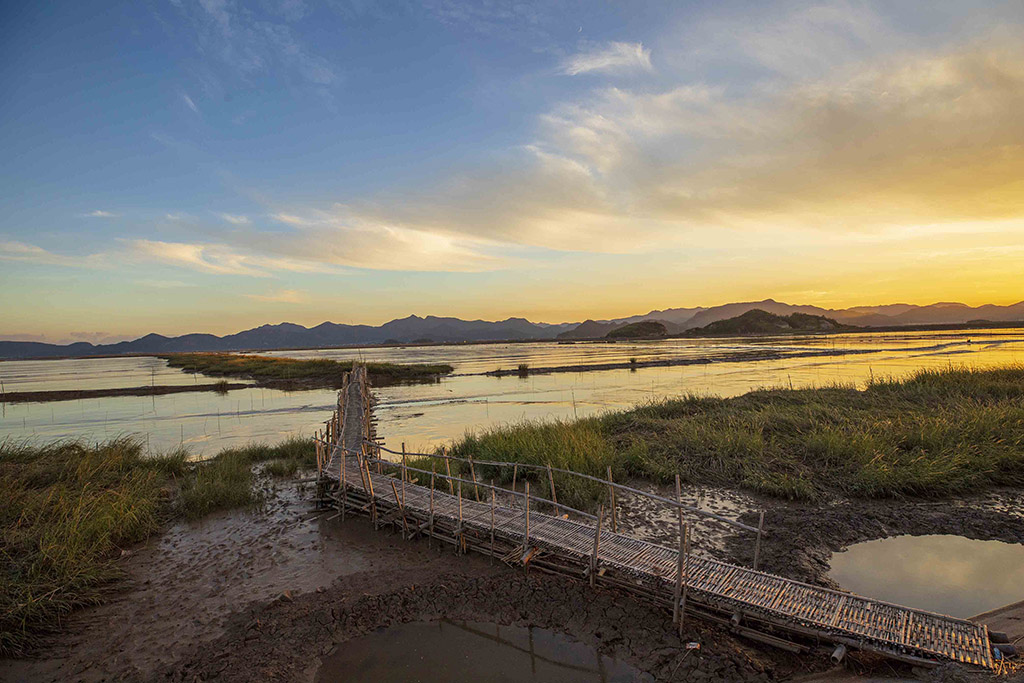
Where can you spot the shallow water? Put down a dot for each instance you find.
(443, 651)
(428, 414)
(951, 575)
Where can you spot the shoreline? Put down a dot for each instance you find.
(75, 394)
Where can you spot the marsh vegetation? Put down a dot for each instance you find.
(321, 372)
(934, 433)
(70, 509)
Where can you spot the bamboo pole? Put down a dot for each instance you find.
(405, 474)
(597, 546)
(677, 595)
(757, 543)
(611, 499)
(431, 503)
(492, 521)
(515, 471)
(526, 522)
(472, 474)
(448, 469)
(401, 508)
(373, 499)
(460, 518)
(551, 480)
(686, 575)
(344, 488)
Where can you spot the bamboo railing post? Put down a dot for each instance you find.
(551, 480)
(492, 521)
(401, 508)
(526, 520)
(448, 469)
(472, 474)
(431, 537)
(344, 487)
(757, 543)
(515, 472)
(597, 546)
(369, 489)
(611, 499)
(686, 575)
(679, 560)
(405, 473)
(459, 539)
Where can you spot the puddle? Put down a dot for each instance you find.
(442, 651)
(951, 575)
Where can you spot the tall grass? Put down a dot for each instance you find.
(69, 507)
(935, 433)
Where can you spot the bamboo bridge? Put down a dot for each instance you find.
(355, 477)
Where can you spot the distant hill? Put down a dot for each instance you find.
(640, 330)
(289, 335)
(414, 329)
(757, 321)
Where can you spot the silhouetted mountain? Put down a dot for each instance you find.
(290, 335)
(757, 321)
(417, 329)
(645, 329)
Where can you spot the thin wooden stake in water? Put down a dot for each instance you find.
(551, 480)
(611, 499)
(757, 543)
(597, 546)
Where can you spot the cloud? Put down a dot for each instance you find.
(235, 219)
(219, 259)
(282, 296)
(30, 253)
(610, 58)
(188, 101)
(98, 214)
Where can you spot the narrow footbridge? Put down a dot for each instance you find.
(471, 514)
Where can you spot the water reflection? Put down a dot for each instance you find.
(458, 651)
(951, 575)
(425, 415)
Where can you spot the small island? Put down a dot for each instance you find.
(757, 321)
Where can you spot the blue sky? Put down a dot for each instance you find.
(209, 165)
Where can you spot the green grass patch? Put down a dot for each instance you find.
(68, 508)
(320, 372)
(934, 433)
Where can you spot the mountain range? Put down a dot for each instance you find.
(414, 329)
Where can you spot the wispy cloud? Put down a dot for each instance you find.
(188, 102)
(235, 219)
(282, 296)
(610, 57)
(98, 214)
(219, 259)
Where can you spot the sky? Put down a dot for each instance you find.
(179, 166)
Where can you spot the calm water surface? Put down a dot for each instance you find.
(449, 651)
(425, 415)
(951, 575)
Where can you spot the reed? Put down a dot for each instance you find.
(933, 433)
(69, 507)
